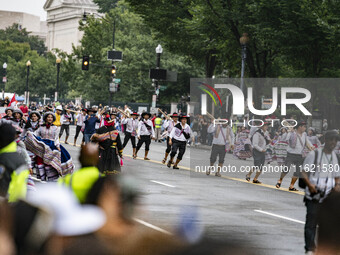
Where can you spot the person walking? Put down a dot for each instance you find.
(145, 133)
(80, 126)
(66, 120)
(131, 125)
(90, 124)
(158, 128)
(320, 177)
(259, 143)
(297, 141)
(168, 125)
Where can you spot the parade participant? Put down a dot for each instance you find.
(242, 144)
(297, 141)
(52, 159)
(158, 128)
(83, 179)
(312, 138)
(259, 143)
(110, 147)
(18, 118)
(9, 113)
(280, 147)
(65, 121)
(144, 133)
(168, 126)
(14, 172)
(178, 140)
(90, 124)
(58, 112)
(80, 125)
(319, 183)
(223, 141)
(131, 130)
(32, 123)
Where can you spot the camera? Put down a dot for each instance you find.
(318, 195)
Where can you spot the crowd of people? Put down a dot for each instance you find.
(33, 161)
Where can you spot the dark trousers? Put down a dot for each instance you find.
(168, 146)
(217, 150)
(144, 139)
(259, 159)
(293, 159)
(180, 146)
(128, 137)
(78, 129)
(311, 223)
(66, 128)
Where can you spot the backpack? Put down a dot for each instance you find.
(302, 183)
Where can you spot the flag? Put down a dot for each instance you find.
(13, 101)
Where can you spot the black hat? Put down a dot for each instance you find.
(184, 116)
(49, 113)
(91, 110)
(7, 134)
(332, 134)
(36, 113)
(134, 114)
(146, 113)
(175, 114)
(301, 123)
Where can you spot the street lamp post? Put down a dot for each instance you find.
(4, 66)
(27, 95)
(58, 61)
(243, 41)
(159, 51)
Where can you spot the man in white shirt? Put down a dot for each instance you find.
(223, 141)
(321, 175)
(131, 130)
(145, 132)
(297, 141)
(259, 142)
(80, 117)
(179, 136)
(168, 125)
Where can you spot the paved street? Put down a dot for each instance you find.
(228, 207)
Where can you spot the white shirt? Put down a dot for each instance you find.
(168, 125)
(51, 133)
(131, 125)
(228, 137)
(299, 146)
(80, 119)
(178, 135)
(324, 173)
(66, 119)
(259, 142)
(142, 130)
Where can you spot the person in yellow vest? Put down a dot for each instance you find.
(58, 114)
(13, 169)
(82, 180)
(158, 128)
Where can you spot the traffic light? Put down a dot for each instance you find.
(113, 71)
(86, 63)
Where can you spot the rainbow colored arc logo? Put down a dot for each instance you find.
(203, 88)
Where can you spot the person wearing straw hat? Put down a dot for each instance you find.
(131, 130)
(179, 136)
(297, 142)
(168, 125)
(259, 142)
(144, 132)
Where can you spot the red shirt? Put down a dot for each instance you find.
(153, 121)
(24, 109)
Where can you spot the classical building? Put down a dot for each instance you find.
(31, 22)
(63, 21)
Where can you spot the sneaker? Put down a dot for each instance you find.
(218, 174)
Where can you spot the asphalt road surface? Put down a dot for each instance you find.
(266, 219)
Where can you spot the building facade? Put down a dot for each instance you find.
(63, 21)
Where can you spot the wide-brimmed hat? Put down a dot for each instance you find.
(70, 218)
(175, 114)
(184, 116)
(332, 134)
(36, 113)
(134, 114)
(146, 113)
(49, 113)
(18, 111)
(91, 110)
(301, 123)
(59, 107)
(9, 108)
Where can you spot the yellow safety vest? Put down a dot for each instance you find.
(158, 122)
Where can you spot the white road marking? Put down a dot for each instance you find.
(279, 216)
(152, 226)
(162, 183)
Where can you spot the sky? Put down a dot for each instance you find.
(34, 7)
